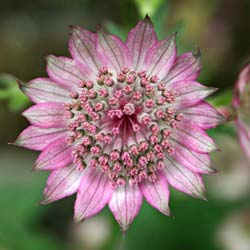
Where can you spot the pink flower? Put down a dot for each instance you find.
(241, 103)
(119, 122)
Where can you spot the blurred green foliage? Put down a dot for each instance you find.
(10, 92)
(148, 6)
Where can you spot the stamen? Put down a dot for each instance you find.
(124, 125)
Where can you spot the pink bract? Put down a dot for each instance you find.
(119, 122)
(241, 103)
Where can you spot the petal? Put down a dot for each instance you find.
(36, 138)
(204, 115)
(46, 115)
(186, 67)
(45, 90)
(196, 162)
(244, 138)
(55, 155)
(82, 47)
(93, 194)
(139, 40)
(61, 183)
(67, 72)
(113, 51)
(157, 193)
(125, 204)
(193, 137)
(160, 57)
(184, 179)
(189, 93)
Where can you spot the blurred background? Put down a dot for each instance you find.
(32, 29)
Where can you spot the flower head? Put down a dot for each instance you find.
(120, 121)
(241, 103)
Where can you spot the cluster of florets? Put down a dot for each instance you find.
(121, 123)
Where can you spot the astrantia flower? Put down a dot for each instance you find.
(241, 103)
(119, 122)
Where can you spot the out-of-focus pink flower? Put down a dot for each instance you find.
(241, 103)
(120, 121)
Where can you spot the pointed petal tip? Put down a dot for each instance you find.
(204, 198)
(201, 195)
(74, 27)
(49, 58)
(213, 171)
(147, 18)
(99, 28)
(35, 168)
(20, 83)
(78, 220)
(71, 26)
(14, 143)
(212, 90)
(44, 201)
(196, 52)
(124, 228)
(166, 211)
(172, 216)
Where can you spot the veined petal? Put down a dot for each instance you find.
(244, 138)
(160, 57)
(139, 40)
(196, 162)
(204, 115)
(157, 193)
(189, 93)
(56, 155)
(46, 115)
(125, 204)
(113, 51)
(184, 179)
(93, 194)
(194, 138)
(67, 72)
(186, 67)
(82, 46)
(36, 138)
(45, 90)
(61, 183)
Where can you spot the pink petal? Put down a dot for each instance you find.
(45, 90)
(82, 47)
(193, 137)
(157, 193)
(183, 179)
(186, 67)
(196, 162)
(160, 57)
(240, 86)
(113, 51)
(56, 155)
(61, 183)
(46, 115)
(139, 40)
(244, 138)
(36, 138)
(189, 93)
(125, 204)
(67, 72)
(204, 115)
(93, 194)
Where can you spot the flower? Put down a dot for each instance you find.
(241, 103)
(119, 122)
